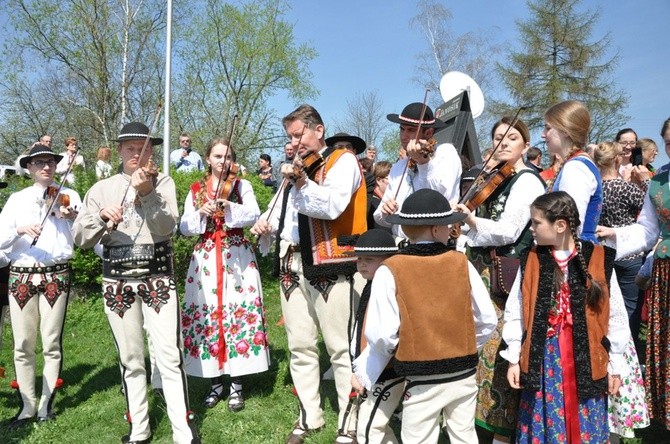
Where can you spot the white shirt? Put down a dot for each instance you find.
(325, 201)
(514, 219)
(236, 215)
(64, 163)
(442, 173)
(618, 330)
(580, 183)
(383, 322)
(191, 162)
(27, 207)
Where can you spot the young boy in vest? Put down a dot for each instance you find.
(430, 311)
(377, 405)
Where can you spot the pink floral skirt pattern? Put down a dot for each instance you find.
(229, 338)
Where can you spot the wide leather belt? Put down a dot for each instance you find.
(137, 260)
(40, 270)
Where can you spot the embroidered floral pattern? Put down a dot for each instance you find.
(627, 410)
(155, 292)
(323, 285)
(22, 292)
(52, 289)
(288, 280)
(119, 298)
(243, 330)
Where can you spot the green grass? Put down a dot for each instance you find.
(90, 407)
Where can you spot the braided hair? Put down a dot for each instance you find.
(560, 205)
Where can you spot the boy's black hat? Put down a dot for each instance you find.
(411, 115)
(38, 150)
(137, 131)
(375, 242)
(356, 142)
(426, 207)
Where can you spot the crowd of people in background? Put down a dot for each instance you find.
(510, 313)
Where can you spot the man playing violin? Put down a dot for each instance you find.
(138, 281)
(434, 167)
(316, 221)
(35, 232)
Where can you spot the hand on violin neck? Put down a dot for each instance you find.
(142, 181)
(418, 151)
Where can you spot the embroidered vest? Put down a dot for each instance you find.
(322, 255)
(437, 329)
(493, 208)
(591, 356)
(659, 194)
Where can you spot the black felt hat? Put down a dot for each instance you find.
(358, 143)
(426, 207)
(38, 150)
(411, 115)
(137, 131)
(375, 242)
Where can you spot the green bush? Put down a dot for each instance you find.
(86, 265)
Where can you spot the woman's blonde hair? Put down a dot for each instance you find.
(571, 118)
(606, 153)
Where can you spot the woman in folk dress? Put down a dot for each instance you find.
(223, 320)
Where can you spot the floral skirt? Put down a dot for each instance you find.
(657, 378)
(628, 409)
(541, 413)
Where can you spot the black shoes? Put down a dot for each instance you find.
(126, 440)
(214, 396)
(236, 401)
(15, 423)
(51, 416)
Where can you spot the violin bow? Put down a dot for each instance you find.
(515, 119)
(53, 201)
(283, 183)
(144, 148)
(225, 157)
(416, 139)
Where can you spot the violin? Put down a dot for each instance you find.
(225, 187)
(429, 149)
(61, 199)
(426, 151)
(486, 184)
(310, 165)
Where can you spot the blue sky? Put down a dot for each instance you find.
(368, 45)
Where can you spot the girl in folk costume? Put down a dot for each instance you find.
(563, 330)
(223, 320)
(500, 226)
(566, 131)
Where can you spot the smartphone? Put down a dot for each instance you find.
(636, 157)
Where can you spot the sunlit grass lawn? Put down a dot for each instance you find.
(90, 407)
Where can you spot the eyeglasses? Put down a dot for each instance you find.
(42, 163)
(628, 143)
